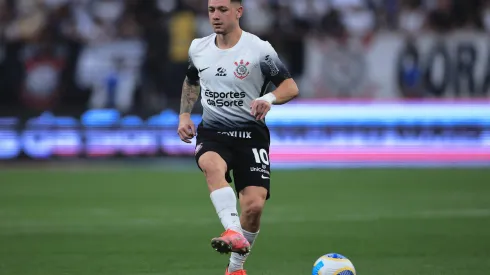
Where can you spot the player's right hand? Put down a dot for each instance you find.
(187, 129)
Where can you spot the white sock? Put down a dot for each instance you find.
(237, 261)
(225, 201)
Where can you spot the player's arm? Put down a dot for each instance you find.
(190, 95)
(276, 72)
(285, 92)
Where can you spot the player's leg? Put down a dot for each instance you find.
(252, 181)
(223, 197)
(252, 202)
(214, 168)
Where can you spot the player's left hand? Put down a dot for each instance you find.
(260, 108)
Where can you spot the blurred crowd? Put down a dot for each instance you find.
(132, 54)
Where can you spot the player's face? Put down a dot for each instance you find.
(224, 15)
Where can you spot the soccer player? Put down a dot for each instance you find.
(231, 69)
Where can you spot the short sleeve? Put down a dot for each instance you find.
(192, 71)
(271, 66)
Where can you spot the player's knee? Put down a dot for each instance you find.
(251, 213)
(252, 207)
(212, 170)
(252, 201)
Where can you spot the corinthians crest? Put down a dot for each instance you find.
(241, 69)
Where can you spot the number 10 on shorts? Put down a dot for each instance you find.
(261, 156)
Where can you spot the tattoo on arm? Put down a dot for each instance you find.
(190, 95)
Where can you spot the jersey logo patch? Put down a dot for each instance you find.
(241, 71)
(272, 65)
(221, 72)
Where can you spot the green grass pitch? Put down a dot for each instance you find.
(146, 222)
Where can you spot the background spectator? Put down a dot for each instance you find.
(132, 55)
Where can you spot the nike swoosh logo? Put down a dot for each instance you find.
(264, 177)
(203, 70)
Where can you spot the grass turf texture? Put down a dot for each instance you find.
(393, 222)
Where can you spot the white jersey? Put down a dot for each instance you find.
(231, 79)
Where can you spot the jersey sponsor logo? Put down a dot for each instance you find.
(221, 72)
(202, 70)
(225, 99)
(272, 65)
(237, 134)
(241, 71)
(260, 170)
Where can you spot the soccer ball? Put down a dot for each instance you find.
(333, 264)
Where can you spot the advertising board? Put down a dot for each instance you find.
(307, 131)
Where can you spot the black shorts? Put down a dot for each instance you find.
(245, 151)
